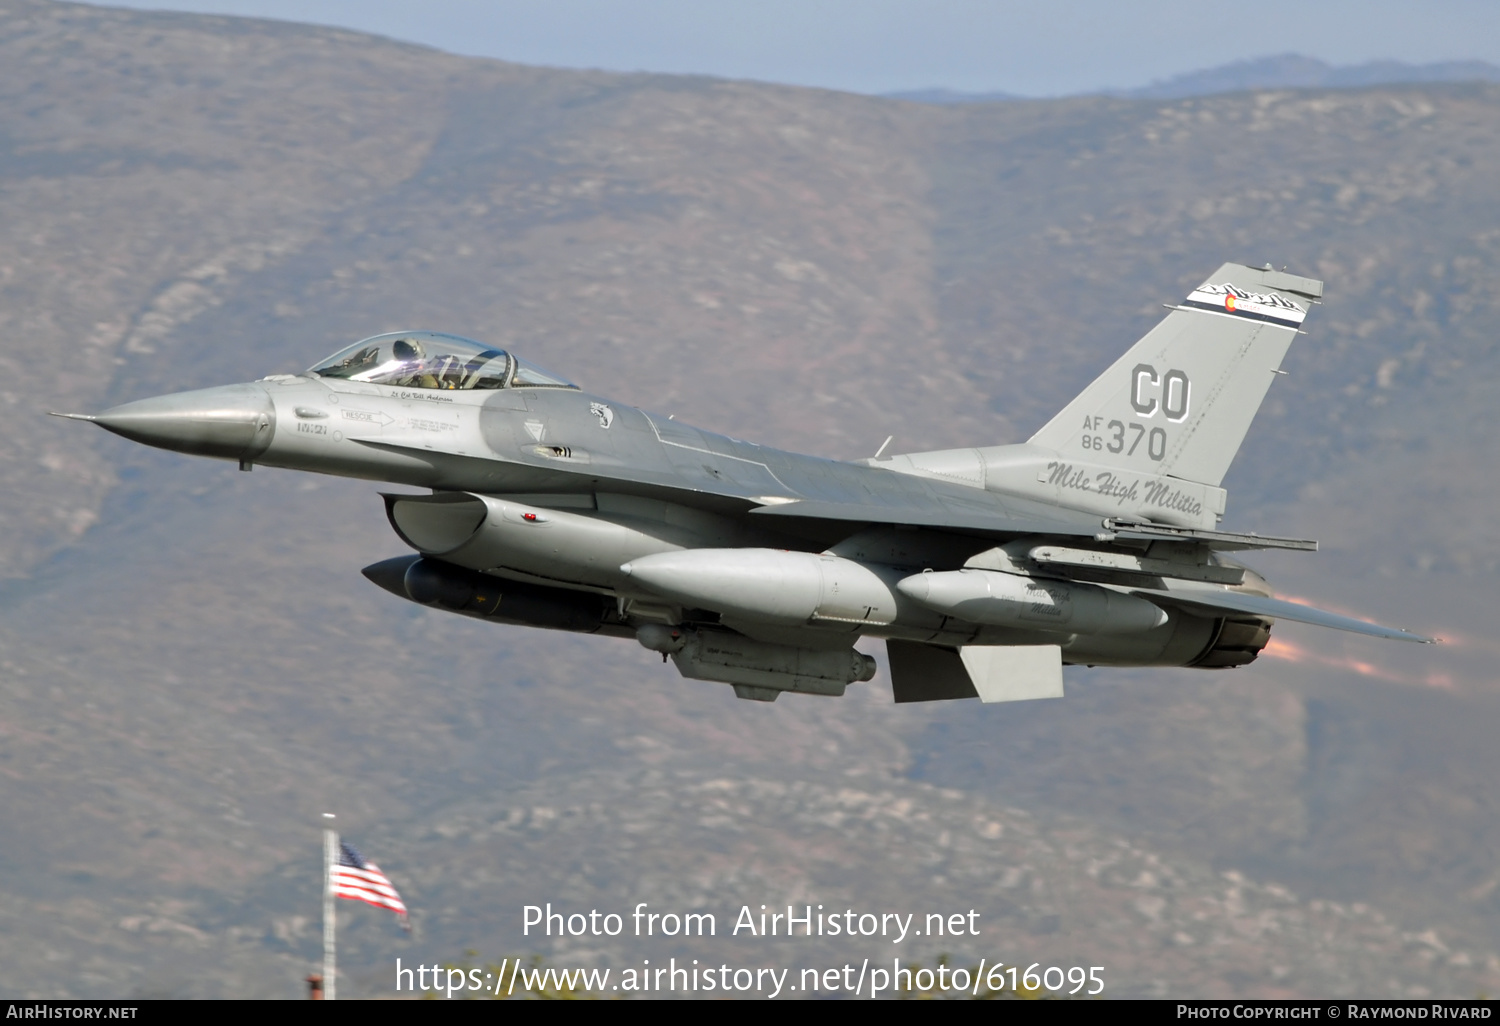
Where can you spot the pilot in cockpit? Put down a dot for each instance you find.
(409, 352)
(422, 371)
(434, 360)
(413, 372)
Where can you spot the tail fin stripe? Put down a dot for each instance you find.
(1232, 299)
(1280, 322)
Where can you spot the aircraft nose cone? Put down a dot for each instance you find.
(232, 422)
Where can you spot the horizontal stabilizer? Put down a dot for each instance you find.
(1276, 609)
(990, 673)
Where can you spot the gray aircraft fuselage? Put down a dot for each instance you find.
(985, 569)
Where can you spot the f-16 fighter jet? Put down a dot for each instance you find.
(985, 570)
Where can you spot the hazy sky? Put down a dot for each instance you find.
(1034, 48)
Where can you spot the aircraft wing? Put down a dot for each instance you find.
(838, 492)
(1214, 601)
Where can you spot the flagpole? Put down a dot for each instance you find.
(330, 859)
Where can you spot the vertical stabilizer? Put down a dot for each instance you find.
(1180, 401)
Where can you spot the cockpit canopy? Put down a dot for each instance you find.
(431, 359)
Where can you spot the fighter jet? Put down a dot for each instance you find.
(985, 570)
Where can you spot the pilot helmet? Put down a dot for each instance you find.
(407, 349)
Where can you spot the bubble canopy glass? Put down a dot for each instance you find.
(431, 359)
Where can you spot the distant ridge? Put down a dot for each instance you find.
(1283, 71)
(951, 96)
(1293, 71)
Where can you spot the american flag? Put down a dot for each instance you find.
(356, 878)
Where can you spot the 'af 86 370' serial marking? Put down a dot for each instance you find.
(1119, 437)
